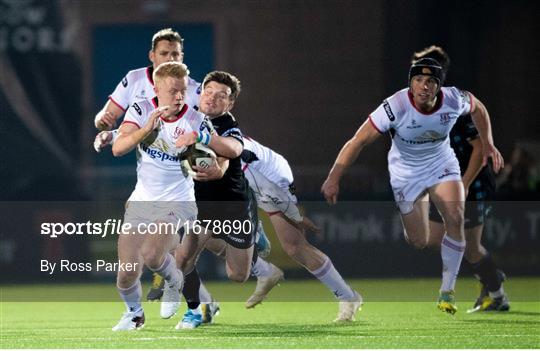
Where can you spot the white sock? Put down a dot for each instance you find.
(168, 270)
(497, 294)
(451, 254)
(261, 268)
(197, 310)
(132, 296)
(204, 294)
(330, 277)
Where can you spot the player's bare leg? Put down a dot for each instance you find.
(238, 263)
(187, 253)
(492, 296)
(416, 223)
(267, 274)
(156, 254)
(295, 244)
(158, 283)
(128, 282)
(449, 199)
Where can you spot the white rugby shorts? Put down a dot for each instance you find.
(270, 196)
(408, 189)
(160, 211)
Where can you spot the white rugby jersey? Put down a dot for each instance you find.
(138, 85)
(159, 175)
(420, 139)
(270, 164)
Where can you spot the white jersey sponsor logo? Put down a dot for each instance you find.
(159, 174)
(419, 139)
(420, 155)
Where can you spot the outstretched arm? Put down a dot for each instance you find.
(365, 135)
(480, 118)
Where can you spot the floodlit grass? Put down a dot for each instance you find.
(398, 313)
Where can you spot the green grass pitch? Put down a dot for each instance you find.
(398, 313)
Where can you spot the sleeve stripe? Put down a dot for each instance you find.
(132, 122)
(117, 104)
(374, 125)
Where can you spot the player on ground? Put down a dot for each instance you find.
(479, 184)
(271, 178)
(421, 162)
(162, 194)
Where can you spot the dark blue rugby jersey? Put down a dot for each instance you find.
(233, 186)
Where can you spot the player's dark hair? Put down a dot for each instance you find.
(226, 79)
(169, 35)
(433, 52)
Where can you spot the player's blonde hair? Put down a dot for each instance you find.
(170, 69)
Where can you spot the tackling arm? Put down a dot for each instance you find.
(228, 147)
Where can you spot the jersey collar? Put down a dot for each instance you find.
(438, 104)
(178, 116)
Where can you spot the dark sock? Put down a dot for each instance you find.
(192, 283)
(254, 257)
(486, 270)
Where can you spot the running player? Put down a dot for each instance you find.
(138, 84)
(271, 178)
(479, 184)
(162, 194)
(223, 200)
(421, 162)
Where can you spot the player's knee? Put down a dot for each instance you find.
(433, 243)
(473, 252)
(417, 241)
(152, 257)
(454, 218)
(239, 277)
(293, 248)
(183, 261)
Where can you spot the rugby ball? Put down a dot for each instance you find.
(198, 155)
